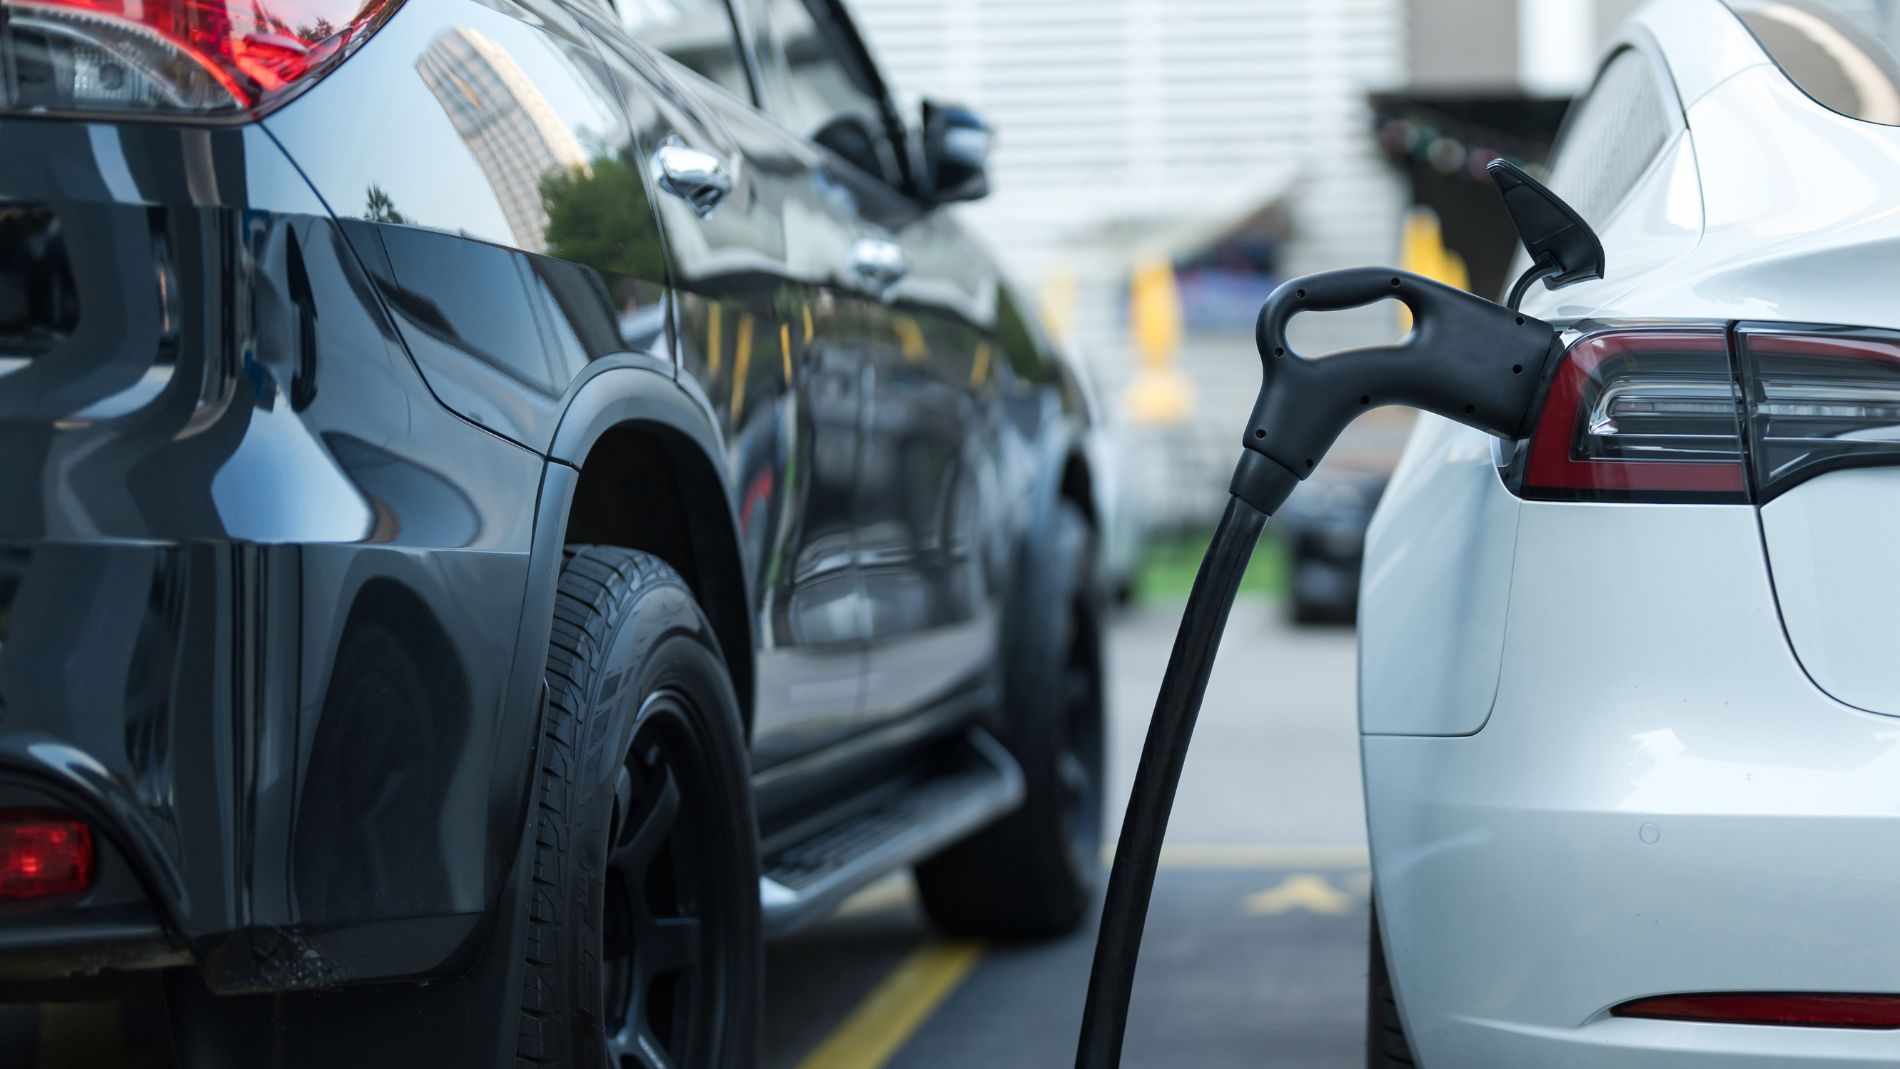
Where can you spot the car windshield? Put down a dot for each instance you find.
(1840, 52)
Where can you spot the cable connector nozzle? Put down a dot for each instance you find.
(1467, 359)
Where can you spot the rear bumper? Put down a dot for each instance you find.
(120, 925)
(1515, 916)
(290, 752)
(1659, 802)
(1668, 1045)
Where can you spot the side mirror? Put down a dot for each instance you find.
(956, 153)
(1562, 247)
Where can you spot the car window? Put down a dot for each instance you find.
(698, 33)
(1840, 52)
(1611, 136)
(825, 91)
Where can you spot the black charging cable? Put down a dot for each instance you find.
(1537, 272)
(1467, 359)
(1139, 850)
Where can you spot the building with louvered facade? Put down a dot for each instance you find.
(1134, 129)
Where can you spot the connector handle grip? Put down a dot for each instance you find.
(1467, 359)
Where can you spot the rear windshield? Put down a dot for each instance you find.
(1840, 52)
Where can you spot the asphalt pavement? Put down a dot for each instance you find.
(1256, 942)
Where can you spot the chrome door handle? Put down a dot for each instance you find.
(880, 264)
(693, 175)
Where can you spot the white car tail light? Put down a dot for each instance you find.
(173, 58)
(1712, 414)
(1640, 415)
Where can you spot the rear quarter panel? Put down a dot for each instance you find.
(1772, 208)
(480, 160)
(1436, 586)
(239, 540)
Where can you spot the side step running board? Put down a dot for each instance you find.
(808, 879)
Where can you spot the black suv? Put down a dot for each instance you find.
(504, 505)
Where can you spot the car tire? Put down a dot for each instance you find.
(643, 908)
(1033, 873)
(1386, 1044)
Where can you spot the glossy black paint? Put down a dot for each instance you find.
(296, 415)
(759, 343)
(245, 548)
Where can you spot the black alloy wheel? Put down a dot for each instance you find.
(663, 973)
(1080, 745)
(643, 945)
(1032, 873)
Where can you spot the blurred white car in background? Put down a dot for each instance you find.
(1629, 689)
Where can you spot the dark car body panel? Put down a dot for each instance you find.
(228, 497)
(282, 503)
(504, 283)
(758, 338)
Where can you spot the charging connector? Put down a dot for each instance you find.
(1467, 359)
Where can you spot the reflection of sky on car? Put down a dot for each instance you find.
(418, 193)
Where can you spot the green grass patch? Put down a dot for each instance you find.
(1167, 568)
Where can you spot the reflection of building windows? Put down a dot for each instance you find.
(507, 123)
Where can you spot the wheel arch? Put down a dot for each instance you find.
(1077, 484)
(645, 475)
(623, 420)
(1063, 475)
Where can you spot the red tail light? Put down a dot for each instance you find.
(1799, 1010)
(173, 57)
(1640, 415)
(43, 855)
(1707, 414)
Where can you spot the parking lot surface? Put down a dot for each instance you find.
(1255, 947)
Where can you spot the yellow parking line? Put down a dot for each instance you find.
(899, 1005)
(1195, 856)
(896, 1007)
(1307, 891)
(886, 894)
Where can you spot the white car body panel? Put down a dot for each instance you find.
(1706, 45)
(1436, 633)
(1652, 793)
(1837, 575)
(1646, 683)
(1799, 217)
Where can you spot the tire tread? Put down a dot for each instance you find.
(599, 587)
(1014, 878)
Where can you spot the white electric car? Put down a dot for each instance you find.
(1630, 690)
